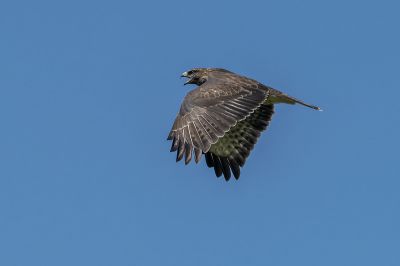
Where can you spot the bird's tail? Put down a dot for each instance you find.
(280, 97)
(293, 100)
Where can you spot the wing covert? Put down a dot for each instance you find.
(208, 112)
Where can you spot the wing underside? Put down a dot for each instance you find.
(230, 152)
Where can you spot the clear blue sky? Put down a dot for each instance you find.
(89, 91)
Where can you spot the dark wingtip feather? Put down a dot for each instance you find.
(188, 153)
(197, 153)
(209, 159)
(240, 159)
(225, 168)
(175, 145)
(235, 168)
(217, 166)
(170, 135)
(181, 151)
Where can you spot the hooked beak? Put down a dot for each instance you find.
(185, 75)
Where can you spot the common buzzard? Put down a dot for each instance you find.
(222, 118)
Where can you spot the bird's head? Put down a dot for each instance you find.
(196, 76)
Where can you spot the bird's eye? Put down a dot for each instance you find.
(190, 72)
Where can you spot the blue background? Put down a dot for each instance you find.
(88, 94)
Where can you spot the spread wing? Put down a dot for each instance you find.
(231, 152)
(210, 111)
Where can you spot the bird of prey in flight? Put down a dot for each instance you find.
(222, 118)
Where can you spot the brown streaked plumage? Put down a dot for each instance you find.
(223, 118)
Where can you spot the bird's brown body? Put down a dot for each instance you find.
(223, 118)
